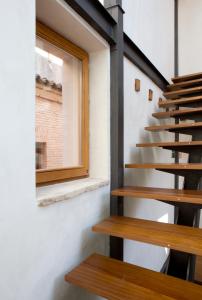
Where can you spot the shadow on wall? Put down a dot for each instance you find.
(89, 243)
(148, 209)
(65, 291)
(146, 177)
(156, 136)
(62, 290)
(70, 292)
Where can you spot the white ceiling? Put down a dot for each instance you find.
(61, 18)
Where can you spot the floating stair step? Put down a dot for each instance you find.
(179, 166)
(177, 146)
(180, 169)
(163, 194)
(177, 237)
(117, 280)
(198, 270)
(187, 77)
(184, 101)
(184, 113)
(182, 92)
(185, 84)
(186, 128)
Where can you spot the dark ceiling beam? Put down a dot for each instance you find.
(176, 38)
(137, 57)
(97, 16)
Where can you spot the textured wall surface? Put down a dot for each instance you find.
(150, 24)
(39, 245)
(190, 38)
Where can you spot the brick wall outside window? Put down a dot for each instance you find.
(50, 124)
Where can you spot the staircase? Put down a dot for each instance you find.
(114, 279)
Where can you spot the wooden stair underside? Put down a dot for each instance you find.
(187, 77)
(175, 195)
(116, 280)
(182, 127)
(178, 113)
(185, 101)
(177, 166)
(177, 146)
(185, 84)
(177, 237)
(182, 92)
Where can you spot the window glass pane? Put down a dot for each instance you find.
(58, 107)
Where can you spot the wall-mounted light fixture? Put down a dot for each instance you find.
(137, 85)
(150, 95)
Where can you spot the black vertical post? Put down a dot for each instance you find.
(176, 42)
(114, 7)
(176, 71)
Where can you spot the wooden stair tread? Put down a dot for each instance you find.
(187, 77)
(183, 84)
(198, 271)
(177, 237)
(176, 113)
(184, 196)
(171, 144)
(117, 280)
(167, 103)
(173, 166)
(197, 125)
(179, 93)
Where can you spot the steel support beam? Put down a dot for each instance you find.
(117, 121)
(137, 57)
(100, 18)
(176, 67)
(97, 16)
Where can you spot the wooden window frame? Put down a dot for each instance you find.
(63, 174)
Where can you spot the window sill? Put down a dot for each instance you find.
(47, 195)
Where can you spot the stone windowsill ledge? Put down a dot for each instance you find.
(47, 195)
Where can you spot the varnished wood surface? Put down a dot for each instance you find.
(116, 280)
(182, 92)
(178, 237)
(177, 113)
(193, 125)
(177, 166)
(185, 196)
(185, 84)
(198, 272)
(171, 144)
(187, 77)
(168, 103)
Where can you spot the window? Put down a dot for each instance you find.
(61, 108)
(41, 155)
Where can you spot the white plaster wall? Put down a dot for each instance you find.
(101, 1)
(190, 38)
(150, 24)
(39, 245)
(137, 114)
